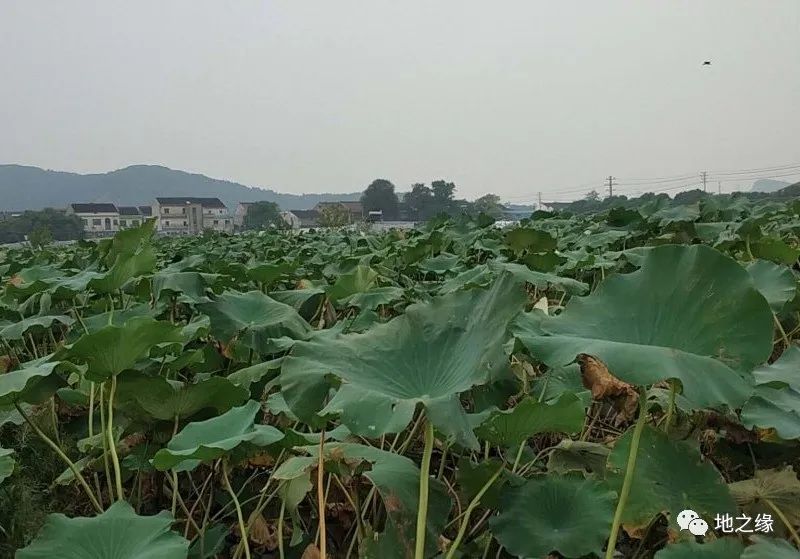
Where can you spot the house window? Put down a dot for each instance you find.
(97, 221)
(185, 223)
(115, 222)
(216, 222)
(166, 210)
(123, 222)
(183, 211)
(166, 223)
(227, 222)
(85, 222)
(135, 222)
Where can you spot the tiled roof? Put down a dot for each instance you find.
(146, 210)
(94, 208)
(306, 214)
(205, 202)
(129, 210)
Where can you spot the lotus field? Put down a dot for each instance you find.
(564, 387)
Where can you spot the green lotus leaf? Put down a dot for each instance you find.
(565, 514)
(776, 283)
(428, 355)
(18, 329)
(6, 463)
(253, 319)
(113, 349)
(360, 279)
(527, 238)
(770, 548)
(529, 417)
(785, 371)
(440, 264)
(670, 476)
(256, 373)
(118, 533)
(397, 480)
(191, 284)
(165, 400)
(690, 313)
(723, 548)
(126, 267)
(204, 441)
(770, 248)
(33, 383)
(578, 456)
(541, 280)
(269, 273)
(373, 298)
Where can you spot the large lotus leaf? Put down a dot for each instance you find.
(529, 417)
(785, 371)
(125, 267)
(772, 408)
(203, 441)
(360, 279)
(578, 456)
(527, 238)
(253, 318)
(118, 317)
(113, 349)
(540, 280)
(269, 273)
(165, 400)
(669, 476)
(397, 480)
(191, 284)
(17, 330)
(770, 548)
(776, 283)
(440, 264)
(723, 548)
(428, 355)
(33, 384)
(570, 515)
(6, 463)
(779, 487)
(369, 300)
(118, 533)
(776, 250)
(689, 313)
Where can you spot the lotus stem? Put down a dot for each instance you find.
(54, 419)
(239, 515)
(782, 331)
(671, 406)
(323, 534)
(785, 521)
(628, 479)
(104, 438)
(280, 529)
(70, 464)
(472, 505)
(112, 445)
(424, 482)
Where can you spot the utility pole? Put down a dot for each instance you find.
(719, 187)
(610, 180)
(704, 175)
(539, 207)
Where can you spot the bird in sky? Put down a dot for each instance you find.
(707, 63)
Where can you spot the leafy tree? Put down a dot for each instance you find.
(419, 201)
(380, 196)
(443, 191)
(40, 237)
(334, 215)
(62, 227)
(262, 215)
(488, 204)
(592, 195)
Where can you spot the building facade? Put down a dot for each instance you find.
(191, 215)
(355, 210)
(99, 220)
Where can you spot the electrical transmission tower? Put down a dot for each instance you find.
(611, 185)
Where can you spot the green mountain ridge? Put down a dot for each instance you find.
(33, 188)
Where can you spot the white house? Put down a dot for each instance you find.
(191, 215)
(99, 220)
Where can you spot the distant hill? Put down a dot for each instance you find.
(768, 185)
(32, 188)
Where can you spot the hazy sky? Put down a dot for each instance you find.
(509, 97)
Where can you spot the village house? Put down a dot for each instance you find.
(191, 215)
(129, 216)
(99, 220)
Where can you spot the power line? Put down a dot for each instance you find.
(761, 170)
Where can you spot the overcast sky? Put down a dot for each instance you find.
(509, 97)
